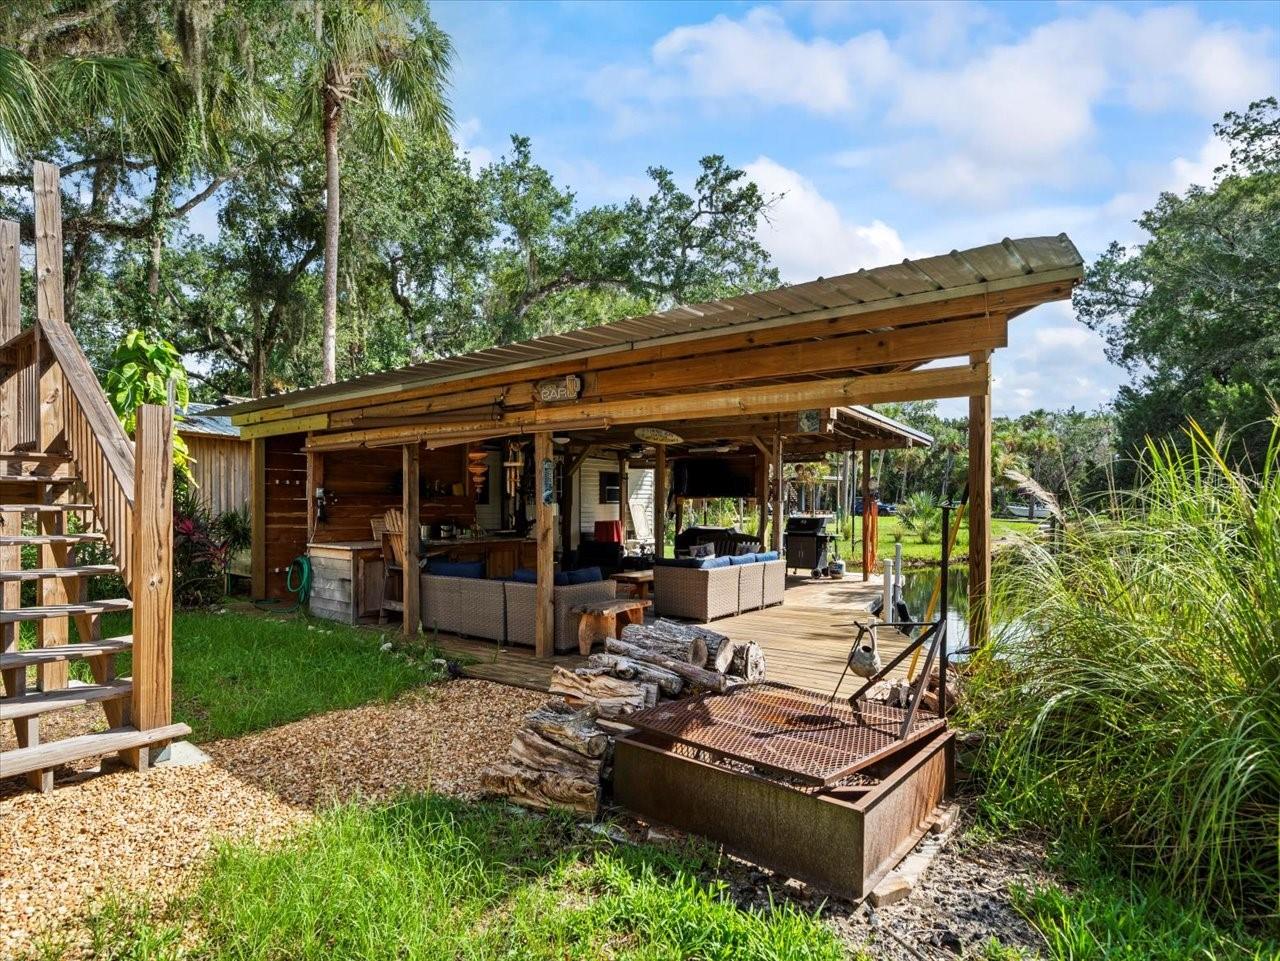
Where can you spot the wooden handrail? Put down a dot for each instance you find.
(102, 453)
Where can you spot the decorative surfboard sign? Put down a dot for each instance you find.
(658, 435)
(548, 481)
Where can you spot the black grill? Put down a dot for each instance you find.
(807, 541)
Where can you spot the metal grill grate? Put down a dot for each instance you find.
(786, 730)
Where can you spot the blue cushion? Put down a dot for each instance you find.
(586, 575)
(525, 575)
(561, 579)
(738, 559)
(679, 561)
(456, 568)
(767, 556)
(712, 563)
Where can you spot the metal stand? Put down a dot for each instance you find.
(935, 636)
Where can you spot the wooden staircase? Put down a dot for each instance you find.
(70, 477)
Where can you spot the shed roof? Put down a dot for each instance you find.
(990, 268)
(197, 419)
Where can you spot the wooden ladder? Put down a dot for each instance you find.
(70, 477)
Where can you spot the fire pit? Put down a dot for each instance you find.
(827, 793)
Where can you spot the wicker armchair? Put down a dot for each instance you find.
(465, 606)
(698, 594)
(522, 604)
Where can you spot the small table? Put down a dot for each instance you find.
(605, 619)
(641, 582)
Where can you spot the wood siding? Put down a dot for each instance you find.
(220, 469)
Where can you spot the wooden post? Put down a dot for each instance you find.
(10, 307)
(258, 516)
(48, 202)
(867, 546)
(412, 506)
(980, 504)
(762, 492)
(659, 499)
(569, 477)
(624, 508)
(152, 568)
(779, 490)
(544, 611)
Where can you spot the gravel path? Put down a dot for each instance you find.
(122, 832)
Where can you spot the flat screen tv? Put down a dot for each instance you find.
(714, 477)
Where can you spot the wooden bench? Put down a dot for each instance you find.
(604, 619)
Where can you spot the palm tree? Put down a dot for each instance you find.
(376, 66)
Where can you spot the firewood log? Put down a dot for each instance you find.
(575, 730)
(680, 642)
(633, 670)
(541, 790)
(748, 662)
(539, 754)
(720, 651)
(611, 696)
(691, 673)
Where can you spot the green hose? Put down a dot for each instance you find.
(301, 588)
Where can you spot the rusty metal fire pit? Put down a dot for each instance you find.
(787, 730)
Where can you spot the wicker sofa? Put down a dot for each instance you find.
(707, 588)
(503, 611)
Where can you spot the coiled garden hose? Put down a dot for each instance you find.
(297, 581)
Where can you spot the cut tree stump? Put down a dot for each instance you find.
(748, 662)
(720, 650)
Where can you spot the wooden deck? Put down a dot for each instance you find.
(806, 640)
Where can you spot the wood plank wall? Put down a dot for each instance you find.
(286, 503)
(220, 468)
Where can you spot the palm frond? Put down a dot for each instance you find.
(27, 102)
(1031, 488)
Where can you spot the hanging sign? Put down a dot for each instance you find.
(809, 422)
(556, 389)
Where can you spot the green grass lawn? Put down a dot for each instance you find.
(429, 877)
(890, 531)
(239, 672)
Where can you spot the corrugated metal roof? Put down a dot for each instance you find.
(195, 419)
(1006, 265)
(888, 424)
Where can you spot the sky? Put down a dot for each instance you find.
(885, 130)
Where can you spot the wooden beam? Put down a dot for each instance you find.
(10, 325)
(659, 500)
(48, 203)
(544, 611)
(875, 349)
(292, 425)
(980, 508)
(15, 682)
(258, 517)
(779, 489)
(624, 507)
(153, 568)
(930, 384)
(412, 506)
(867, 545)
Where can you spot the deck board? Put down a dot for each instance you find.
(806, 640)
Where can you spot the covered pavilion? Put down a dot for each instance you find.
(784, 370)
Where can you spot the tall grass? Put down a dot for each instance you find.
(1137, 698)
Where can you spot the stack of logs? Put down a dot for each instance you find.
(561, 755)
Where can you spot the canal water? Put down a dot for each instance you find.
(917, 588)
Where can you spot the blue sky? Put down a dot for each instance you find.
(889, 130)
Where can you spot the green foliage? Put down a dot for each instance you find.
(1136, 696)
(431, 877)
(920, 515)
(141, 371)
(1194, 313)
(235, 528)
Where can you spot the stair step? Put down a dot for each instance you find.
(34, 479)
(43, 508)
(77, 695)
(51, 611)
(44, 756)
(17, 540)
(65, 652)
(36, 457)
(49, 573)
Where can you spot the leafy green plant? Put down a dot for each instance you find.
(919, 515)
(141, 370)
(1137, 698)
(235, 528)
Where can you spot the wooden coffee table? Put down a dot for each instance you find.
(641, 582)
(602, 620)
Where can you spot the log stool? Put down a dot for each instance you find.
(606, 619)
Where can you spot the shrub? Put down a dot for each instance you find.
(199, 555)
(1137, 697)
(920, 516)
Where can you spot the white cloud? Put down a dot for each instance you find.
(807, 234)
(760, 58)
(465, 140)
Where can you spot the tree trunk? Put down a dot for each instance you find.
(610, 696)
(541, 789)
(748, 662)
(575, 730)
(697, 675)
(683, 642)
(159, 218)
(632, 670)
(720, 653)
(332, 119)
